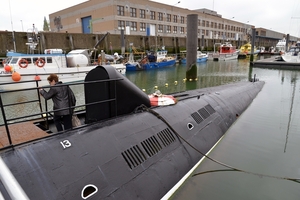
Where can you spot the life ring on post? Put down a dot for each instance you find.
(40, 62)
(23, 63)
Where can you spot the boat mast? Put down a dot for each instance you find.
(12, 28)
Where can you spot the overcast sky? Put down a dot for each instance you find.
(278, 15)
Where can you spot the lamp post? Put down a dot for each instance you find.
(12, 28)
(174, 25)
(22, 25)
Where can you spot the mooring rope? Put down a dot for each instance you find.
(230, 168)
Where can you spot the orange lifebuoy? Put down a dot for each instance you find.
(23, 63)
(40, 62)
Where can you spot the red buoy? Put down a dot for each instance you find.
(37, 78)
(7, 68)
(16, 76)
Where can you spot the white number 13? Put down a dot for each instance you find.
(66, 144)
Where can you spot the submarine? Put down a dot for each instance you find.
(125, 148)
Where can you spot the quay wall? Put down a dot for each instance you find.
(110, 44)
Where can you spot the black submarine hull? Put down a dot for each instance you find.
(140, 155)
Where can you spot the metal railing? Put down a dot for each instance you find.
(46, 114)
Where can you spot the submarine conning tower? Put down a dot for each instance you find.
(108, 94)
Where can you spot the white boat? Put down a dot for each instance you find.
(280, 46)
(261, 49)
(292, 55)
(34, 68)
(226, 52)
(201, 57)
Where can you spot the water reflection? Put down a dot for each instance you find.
(263, 143)
(209, 74)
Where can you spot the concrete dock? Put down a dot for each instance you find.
(275, 64)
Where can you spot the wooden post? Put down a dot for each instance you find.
(252, 44)
(191, 46)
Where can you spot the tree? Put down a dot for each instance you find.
(46, 25)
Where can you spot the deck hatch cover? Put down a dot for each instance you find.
(203, 113)
(151, 146)
(166, 137)
(196, 116)
(209, 109)
(133, 156)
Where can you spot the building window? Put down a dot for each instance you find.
(216, 25)
(168, 17)
(203, 32)
(121, 25)
(181, 30)
(152, 15)
(203, 23)
(133, 26)
(206, 32)
(142, 13)
(174, 29)
(142, 27)
(211, 24)
(160, 28)
(182, 19)
(168, 29)
(199, 22)
(120, 10)
(207, 23)
(175, 18)
(132, 12)
(160, 16)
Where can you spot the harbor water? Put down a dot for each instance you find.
(263, 143)
(260, 150)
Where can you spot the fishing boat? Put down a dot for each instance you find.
(226, 52)
(152, 60)
(292, 55)
(70, 67)
(245, 51)
(124, 148)
(201, 57)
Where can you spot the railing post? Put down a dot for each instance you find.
(5, 121)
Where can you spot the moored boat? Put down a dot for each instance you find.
(226, 52)
(292, 55)
(281, 46)
(71, 67)
(201, 57)
(153, 60)
(245, 51)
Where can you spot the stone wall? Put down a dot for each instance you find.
(110, 44)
